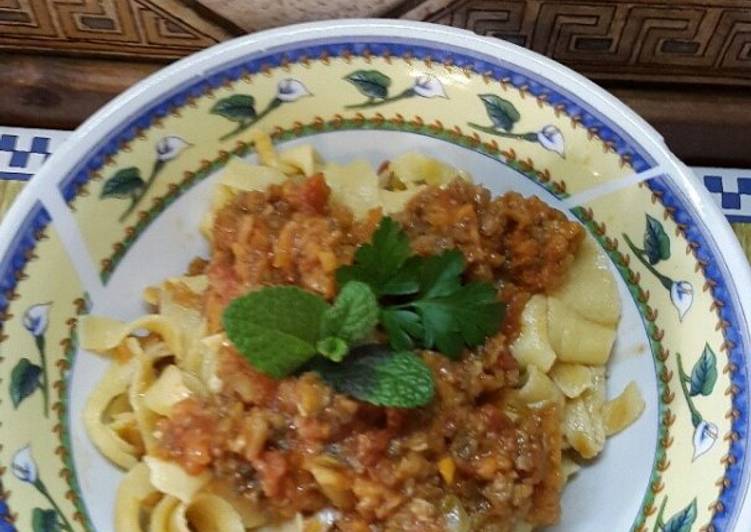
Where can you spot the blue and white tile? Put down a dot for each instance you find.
(24, 151)
(731, 188)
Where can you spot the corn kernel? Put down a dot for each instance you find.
(447, 468)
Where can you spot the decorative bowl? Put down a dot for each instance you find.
(118, 208)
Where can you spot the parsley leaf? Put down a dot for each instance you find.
(440, 275)
(375, 374)
(377, 263)
(467, 315)
(275, 328)
(406, 279)
(353, 315)
(445, 314)
(401, 326)
(424, 301)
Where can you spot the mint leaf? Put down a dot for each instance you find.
(333, 348)
(467, 316)
(353, 315)
(288, 309)
(376, 263)
(270, 351)
(401, 326)
(375, 374)
(275, 328)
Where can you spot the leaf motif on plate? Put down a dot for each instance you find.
(501, 112)
(704, 373)
(126, 183)
(683, 520)
(370, 83)
(238, 107)
(44, 520)
(656, 241)
(24, 380)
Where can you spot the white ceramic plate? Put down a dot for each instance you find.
(68, 249)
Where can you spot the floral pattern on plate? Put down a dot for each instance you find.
(424, 97)
(549, 138)
(34, 379)
(687, 418)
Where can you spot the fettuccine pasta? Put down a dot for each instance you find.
(145, 414)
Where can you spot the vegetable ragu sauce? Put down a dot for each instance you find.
(473, 459)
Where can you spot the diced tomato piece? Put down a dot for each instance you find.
(314, 193)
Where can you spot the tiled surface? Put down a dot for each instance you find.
(731, 188)
(23, 151)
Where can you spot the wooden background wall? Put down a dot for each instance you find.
(685, 65)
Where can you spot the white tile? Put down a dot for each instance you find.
(5, 161)
(23, 143)
(745, 205)
(730, 183)
(35, 162)
(717, 197)
(57, 139)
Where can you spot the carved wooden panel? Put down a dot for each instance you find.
(253, 15)
(671, 41)
(141, 29)
(685, 65)
(687, 40)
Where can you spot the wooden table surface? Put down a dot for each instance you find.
(684, 65)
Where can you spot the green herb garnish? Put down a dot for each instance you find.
(434, 308)
(353, 315)
(276, 328)
(463, 317)
(380, 263)
(280, 328)
(420, 302)
(375, 374)
(333, 348)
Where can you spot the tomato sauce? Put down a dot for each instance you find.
(294, 445)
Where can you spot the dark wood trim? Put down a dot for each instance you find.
(702, 125)
(216, 18)
(60, 92)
